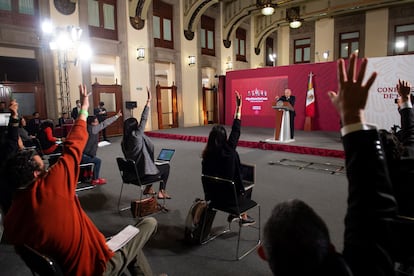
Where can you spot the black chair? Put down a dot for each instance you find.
(221, 196)
(130, 175)
(49, 158)
(38, 263)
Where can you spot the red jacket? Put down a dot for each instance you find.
(49, 217)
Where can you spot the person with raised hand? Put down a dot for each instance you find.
(221, 159)
(47, 216)
(296, 240)
(138, 147)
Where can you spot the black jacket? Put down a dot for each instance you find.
(368, 240)
(226, 163)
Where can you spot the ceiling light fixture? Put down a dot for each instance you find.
(293, 17)
(268, 10)
(266, 7)
(294, 24)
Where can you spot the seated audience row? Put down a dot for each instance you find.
(39, 196)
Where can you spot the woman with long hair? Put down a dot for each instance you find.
(221, 159)
(138, 147)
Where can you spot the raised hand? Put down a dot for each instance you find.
(352, 96)
(14, 108)
(404, 90)
(148, 94)
(119, 114)
(84, 97)
(238, 99)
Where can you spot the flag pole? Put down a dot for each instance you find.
(310, 105)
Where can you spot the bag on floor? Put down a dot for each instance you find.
(194, 222)
(145, 207)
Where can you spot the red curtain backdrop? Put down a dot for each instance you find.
(269, 82)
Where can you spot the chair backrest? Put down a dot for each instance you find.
(128, 171)
(220, 192)
(38, 263)
(38, 146)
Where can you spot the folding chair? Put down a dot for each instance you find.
(85, 177)
(38, 263)
(50, 158)
(221, 196)
(130, 175)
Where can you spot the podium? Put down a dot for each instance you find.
(282, 121)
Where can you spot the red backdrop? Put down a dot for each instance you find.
(258, 88)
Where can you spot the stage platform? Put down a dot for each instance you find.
(321, 143)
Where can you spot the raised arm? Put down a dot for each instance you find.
(407, 117)
(144, 115)
(235, 129)
(370, 199)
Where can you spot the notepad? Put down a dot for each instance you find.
(4, 119)
(122, 238)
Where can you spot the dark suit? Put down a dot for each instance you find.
(75, 112)
(33, 126)
(292, 113)
(407, 131)
(371, 206)
(402, 170)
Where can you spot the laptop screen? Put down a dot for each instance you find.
(247, 172)
(166, 154)
(4, 119)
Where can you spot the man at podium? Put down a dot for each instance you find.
(291, 100)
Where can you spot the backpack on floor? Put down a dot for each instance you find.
(194, 222)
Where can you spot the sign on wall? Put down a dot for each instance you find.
(381, 108)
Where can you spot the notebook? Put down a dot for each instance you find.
(4, 119)
(164, 157)
(248, 174)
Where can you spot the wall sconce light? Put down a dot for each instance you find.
(229, 64)
(272, 58)
(325, 54)
(140, 53)
(191, 60)
(293, 17)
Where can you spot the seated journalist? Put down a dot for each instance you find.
(46, 214)
(138, 147)
(296, 240)
(221, 159)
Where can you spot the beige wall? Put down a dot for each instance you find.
(191, 81)
(376, 33)
(324, 28)
(138, 70)
(283, 38)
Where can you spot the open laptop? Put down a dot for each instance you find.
(248, 174)
(164, 157)
(4, 119)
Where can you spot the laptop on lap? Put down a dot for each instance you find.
(164, 157)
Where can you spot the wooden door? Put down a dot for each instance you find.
(29, 95)
(210, 106)
(111, 95)
(221, 99)
(167, 106)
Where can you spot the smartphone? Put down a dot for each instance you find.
(396, 100)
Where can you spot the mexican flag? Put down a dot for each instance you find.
(310, 98)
